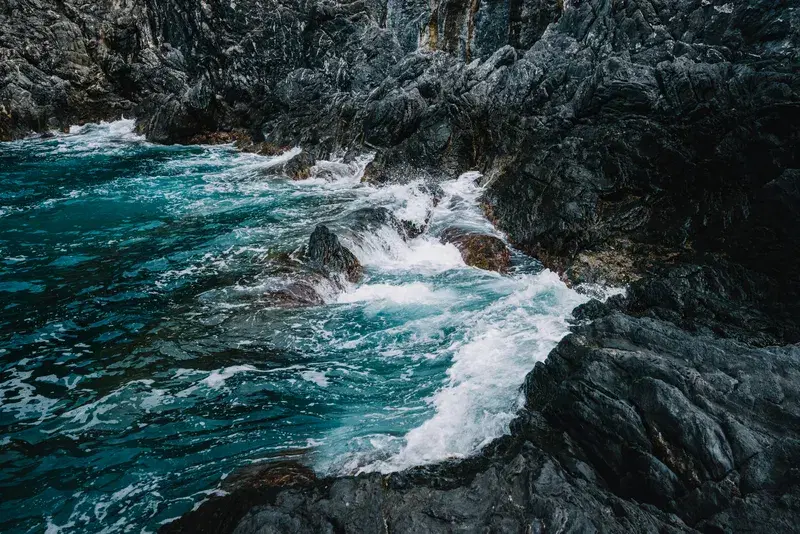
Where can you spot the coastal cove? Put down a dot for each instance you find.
(344, 266)
(144, 360)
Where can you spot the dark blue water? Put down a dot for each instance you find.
(140, 362)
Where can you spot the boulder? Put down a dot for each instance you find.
(479, 250)
(299, 167)
(326, 254)
(370, 220)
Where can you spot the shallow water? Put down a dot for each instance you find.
(139, 363)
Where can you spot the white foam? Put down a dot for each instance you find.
(120, 129)
(217, 378)
(600, 292)
(460, 206)
(336, 171)
(409, 202)
(20, 398)
(90, 138)
(482, 393)
(386, 249)
(52, 528)
(117, 408)
(317, 377)
(413, 293)
(284, 157)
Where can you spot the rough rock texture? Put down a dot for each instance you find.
(479, 250)
(632, 425)
(296, 294)
(651, 142)
(245, 488)
(600, 124)
(329, 256)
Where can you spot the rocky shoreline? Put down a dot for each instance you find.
(654, 143)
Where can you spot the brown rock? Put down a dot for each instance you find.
(299, 167)
(480, 250)
(218, 138)
(264, 148)
(269, 475)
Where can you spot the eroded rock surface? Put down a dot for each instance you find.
(479, 250)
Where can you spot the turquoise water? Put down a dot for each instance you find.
(140, 363)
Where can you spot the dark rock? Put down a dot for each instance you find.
(299, 167)
(245, 488)
(329, 256)
(720, 297)
(393, 118)
(645, 142)
(367, 221)
(219, 138)
(479, 250)
(594, 309)
(601, 443)
(263, 148)
(413, 230)
(296, 294)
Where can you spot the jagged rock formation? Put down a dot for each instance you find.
(632, 425)
(600, 123)
(651, 142)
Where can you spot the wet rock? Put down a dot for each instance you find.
(614, 266)
(245, 488)
(647, 142)
(219, 138)
(392, 118)
(269, 475)
(365, 221)
(299, 167)
(328, 255)
(594, 309)
(632, 424)
(479, 250)
(412, 229)
(263, 148)
(296, 294)
(719, 297)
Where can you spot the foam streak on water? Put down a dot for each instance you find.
(140, 362)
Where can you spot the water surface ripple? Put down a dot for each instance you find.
(140, 364)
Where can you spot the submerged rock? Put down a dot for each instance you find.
(296, 294)
(479, 250)
(327, 254)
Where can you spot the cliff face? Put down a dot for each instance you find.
(600, 123)
(650, 142)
